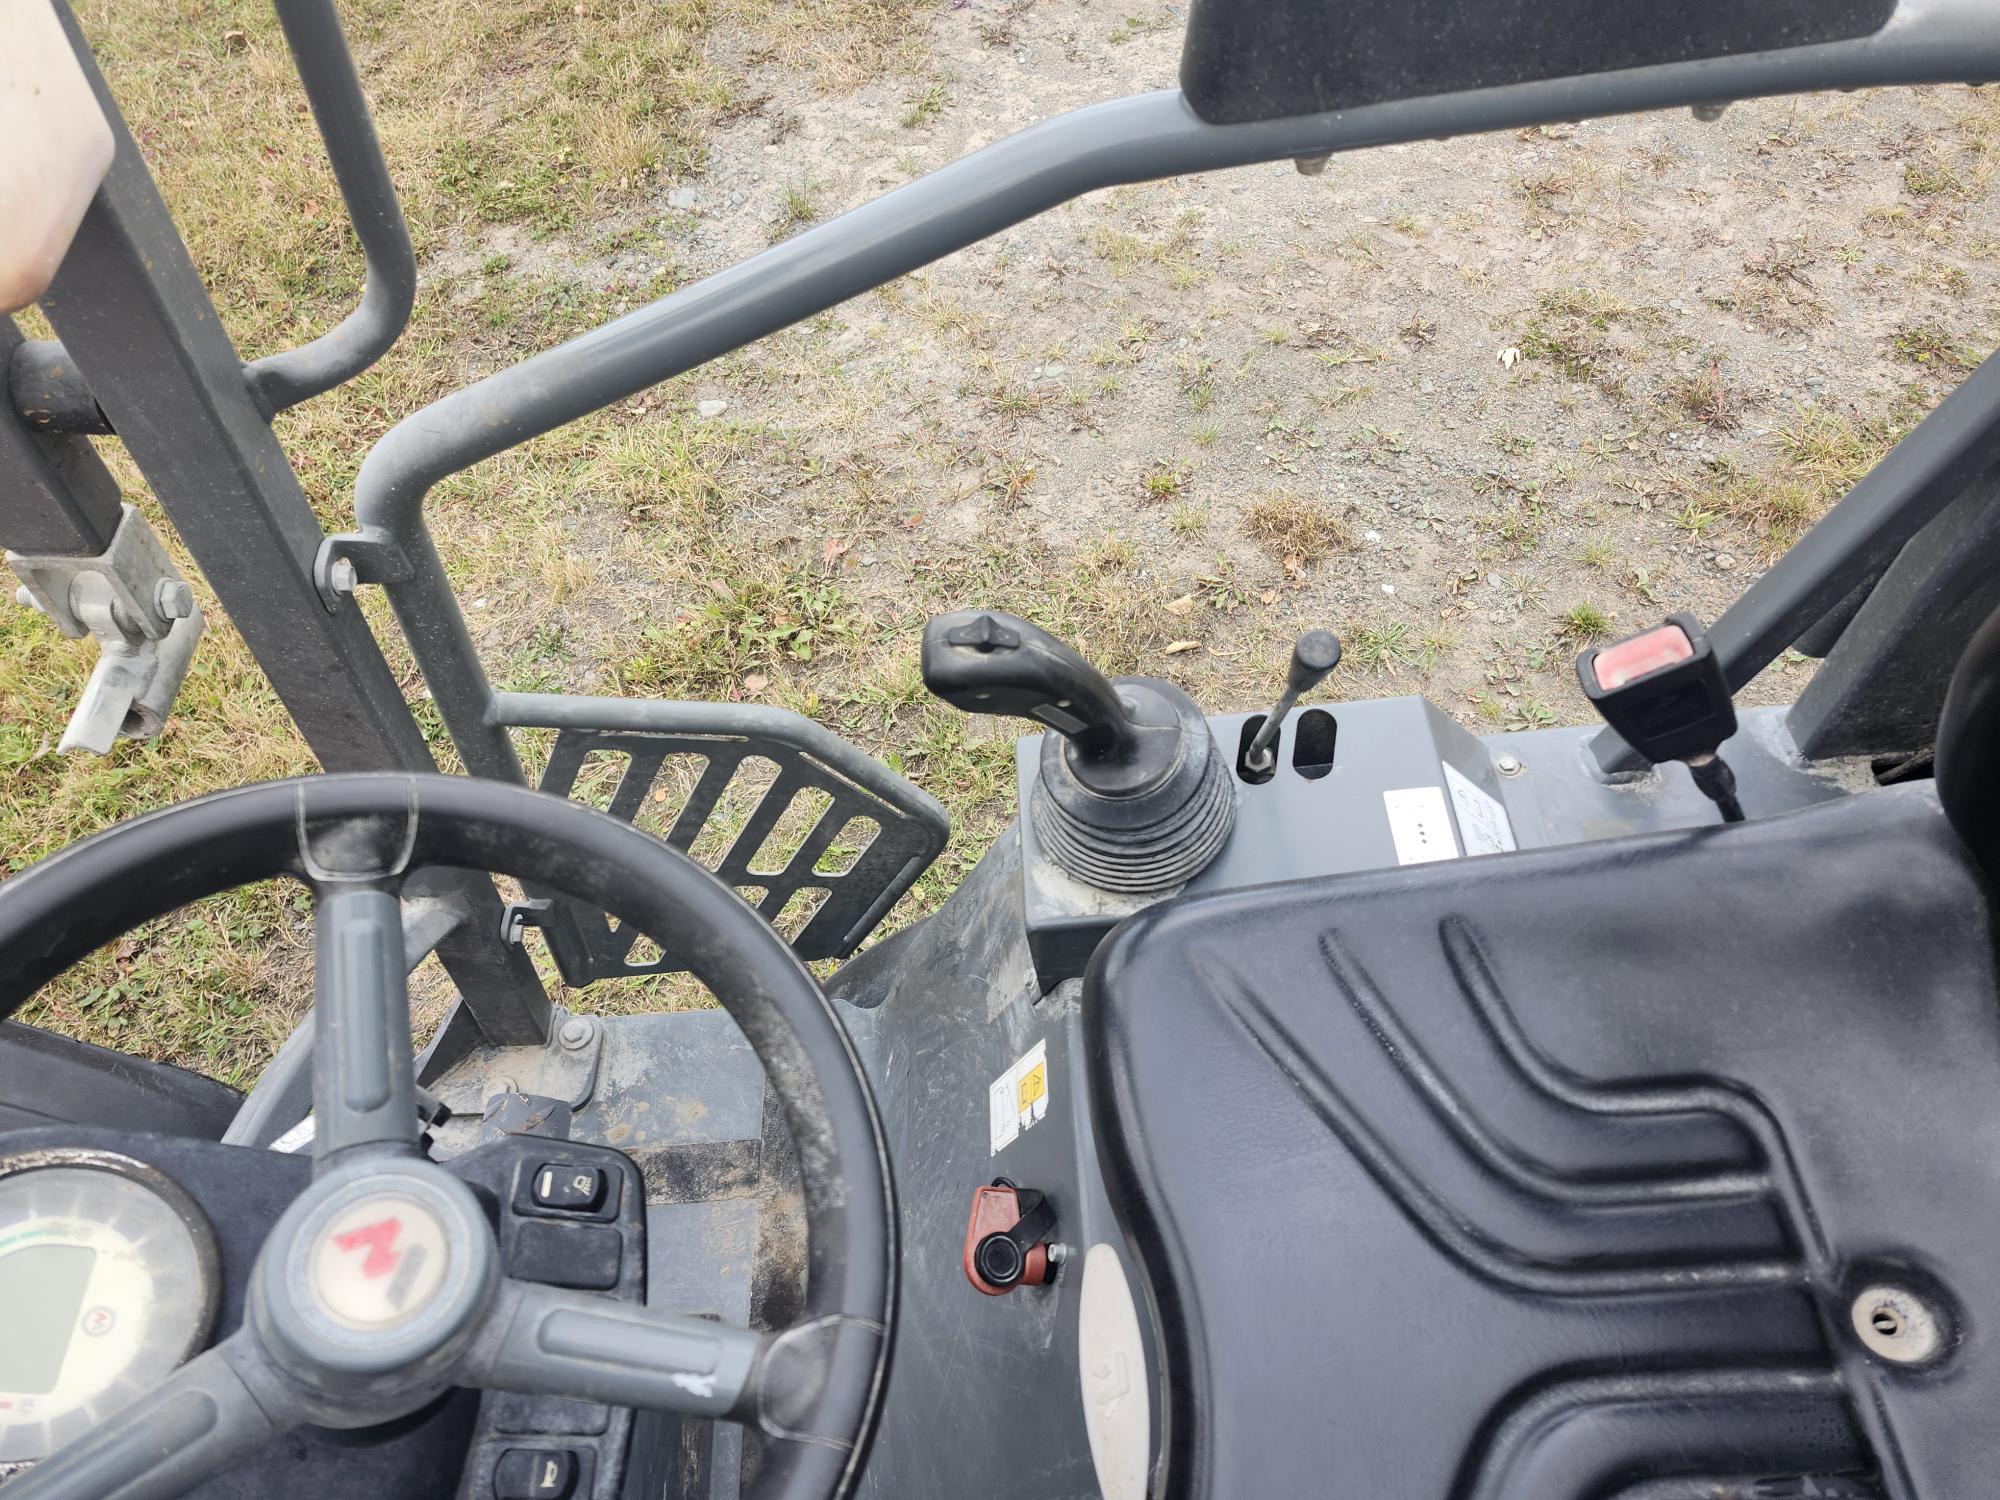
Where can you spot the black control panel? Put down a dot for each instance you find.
(570, 1215)
(565, 1213)
(241, 1191)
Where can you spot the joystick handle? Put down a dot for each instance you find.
(1129, 794)
(986, 662)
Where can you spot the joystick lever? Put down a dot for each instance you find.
(989, 663)
(1314, 654)
(986, 662)
(1129, 793)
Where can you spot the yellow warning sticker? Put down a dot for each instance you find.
(1035, 1086)
(1019, 1097)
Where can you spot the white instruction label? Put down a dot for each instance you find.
(297, 1138)
(1019, 1097)
(1420, 825)
(1482, 821)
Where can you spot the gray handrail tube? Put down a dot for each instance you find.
(1888, 505)
(1137, 139)
(49, 391)
(333, 89)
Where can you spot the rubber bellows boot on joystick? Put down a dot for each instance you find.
(1133, 796)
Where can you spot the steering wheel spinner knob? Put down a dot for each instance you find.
(373, 1269)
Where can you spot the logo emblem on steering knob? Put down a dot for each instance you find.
(375, 1268)
(379, 1261)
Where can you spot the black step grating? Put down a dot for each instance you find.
(819, 855)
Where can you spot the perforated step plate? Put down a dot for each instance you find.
(819, 838)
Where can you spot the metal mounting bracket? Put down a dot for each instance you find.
(562, 1068)
(134, 600)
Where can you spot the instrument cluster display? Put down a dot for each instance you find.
(108, 1281)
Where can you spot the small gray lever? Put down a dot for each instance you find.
(1315, 654)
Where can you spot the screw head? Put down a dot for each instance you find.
(341, 577)
(1509, 765)
(1895, 1324)
(576, 1033)
(173, 598)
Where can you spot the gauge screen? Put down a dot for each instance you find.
(107, 1282)
(43, 1285)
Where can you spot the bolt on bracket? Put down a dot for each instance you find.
(134, 600)
(565, 1068)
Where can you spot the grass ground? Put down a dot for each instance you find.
(1474, 403)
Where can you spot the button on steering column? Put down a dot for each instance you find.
(564, 1185)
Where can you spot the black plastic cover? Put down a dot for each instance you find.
(1553, 1176)
(50, 1079)
(1268, 59)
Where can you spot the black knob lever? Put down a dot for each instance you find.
(986, 662)
(1314, 654)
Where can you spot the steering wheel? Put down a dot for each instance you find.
(319, 1343)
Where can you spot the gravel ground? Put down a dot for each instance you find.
(1532, 387)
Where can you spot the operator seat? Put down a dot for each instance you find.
(1564, 1175)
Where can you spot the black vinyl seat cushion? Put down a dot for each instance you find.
(1552, 1176)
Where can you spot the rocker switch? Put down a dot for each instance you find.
(564, 1185)
(535, 1474)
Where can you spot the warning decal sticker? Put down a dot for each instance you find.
(1019, 1097)
(1482, 821)
(1419, 825)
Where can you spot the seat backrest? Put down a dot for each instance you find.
(1269, 59)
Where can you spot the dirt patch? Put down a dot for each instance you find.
(1531, 378)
